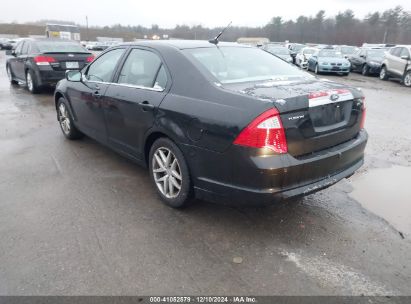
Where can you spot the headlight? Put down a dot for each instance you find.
(323, 63)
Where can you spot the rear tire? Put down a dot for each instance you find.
(407, 79)
(383, 73)
(10, 75)
(169, 173)
(365, 70)
(32, 82)
(66, 122)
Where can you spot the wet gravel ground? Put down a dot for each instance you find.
(77, 219)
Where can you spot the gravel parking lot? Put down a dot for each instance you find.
(77, 219)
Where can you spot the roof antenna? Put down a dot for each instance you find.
(215, 40)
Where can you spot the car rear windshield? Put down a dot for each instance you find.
(242, 64)
(60, 47)
(329, 53)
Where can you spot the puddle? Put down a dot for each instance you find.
(387, 193)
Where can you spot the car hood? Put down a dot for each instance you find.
(288, 95)
(333, 59)
(377, 60)
(284, 57)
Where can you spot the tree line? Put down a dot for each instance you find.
(390, 26)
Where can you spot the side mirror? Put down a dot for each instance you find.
(405, 57)
(73, 75)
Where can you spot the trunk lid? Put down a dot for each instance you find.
(315, 114)
(68, 61)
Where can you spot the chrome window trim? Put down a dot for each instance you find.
(84, 79)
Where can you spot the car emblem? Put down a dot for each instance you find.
(334, 97)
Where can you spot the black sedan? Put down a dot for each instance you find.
(226, 122)
(367, 61)
(41, 62)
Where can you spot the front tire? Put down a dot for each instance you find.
(383, 73)
(365, 70)
(316, 70)
(32, 82)
(66, 122)
(10, 75)
(169, 173)
(407, 79)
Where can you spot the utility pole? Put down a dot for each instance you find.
(87, 37)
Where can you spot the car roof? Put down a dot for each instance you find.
(182, 44)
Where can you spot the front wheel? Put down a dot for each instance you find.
(407, 79)
(10, 75)
(365, 70)
(169, 173)
(66, 122)
(316, 70)
(383, 73)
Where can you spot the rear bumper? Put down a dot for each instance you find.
(49, 77)
(262, 180)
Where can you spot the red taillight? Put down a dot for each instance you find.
(364, 111)
(43, 60)
(266, 131)
(90, 59)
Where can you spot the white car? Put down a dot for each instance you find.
(301, 59)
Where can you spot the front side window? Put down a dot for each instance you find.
(242, 64)
(142, 68)
(102, 69)
(19, 48)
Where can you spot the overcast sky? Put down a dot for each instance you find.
(168, 13)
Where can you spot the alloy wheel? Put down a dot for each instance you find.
(29, 81)
(64, 119)
(167, 172)
(382, 73)
(9, 73)
(407, 79)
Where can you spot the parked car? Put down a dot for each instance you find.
(330, 61)
(295, 48)
(41, 62)
(279, 51)
(347, 50)
(302, 57)
(225, 123)
(397, 64)
(5, 44)
(97, 46)
(367, 60)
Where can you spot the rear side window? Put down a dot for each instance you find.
(19, 47)
(142, 68)
(102, 69)
(405, 52)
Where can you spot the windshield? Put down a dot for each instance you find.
(298, 47)
(376, 53)
(348, 49)
(240, 64)
(60, 47)
(329, 53)
(278, 50)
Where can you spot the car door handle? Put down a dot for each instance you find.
(146, 106)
